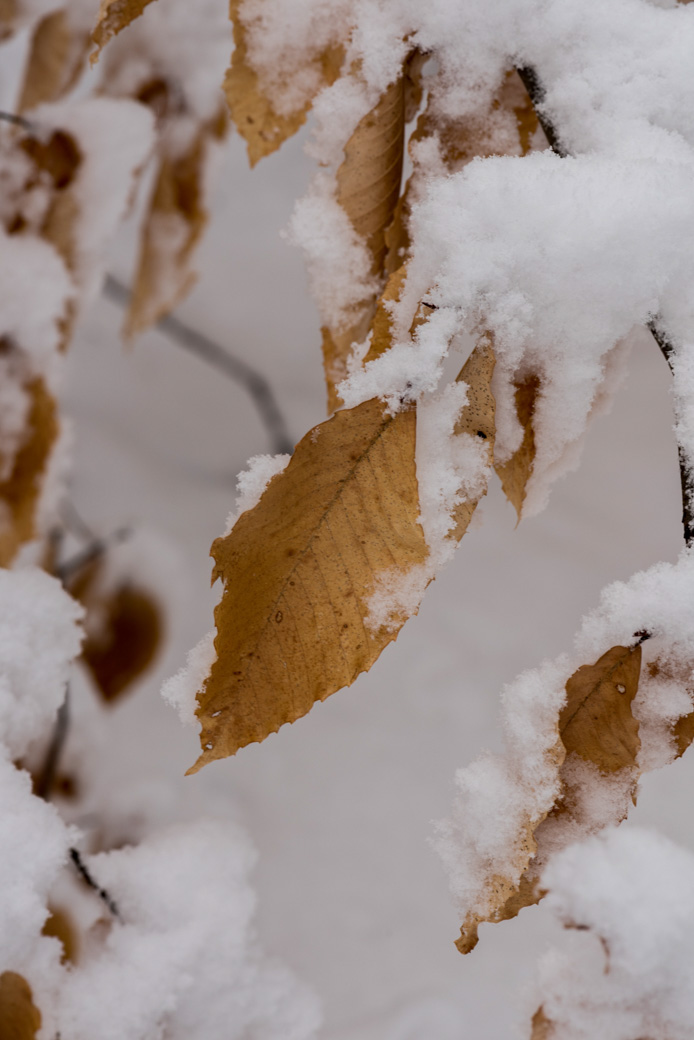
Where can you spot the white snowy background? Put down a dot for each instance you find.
(340, 805)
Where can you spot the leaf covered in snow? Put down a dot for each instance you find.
(20, 1019)
(113, 16)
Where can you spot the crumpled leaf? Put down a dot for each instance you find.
(56, 58)
(299, 568)
(20, 1019)
(113, 16)
(595, 726)
(516, 472)
(171, 231)
(20, 490)
(252, 112)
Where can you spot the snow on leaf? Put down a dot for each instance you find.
(297, 570)
(114, 15)
(20, 1019)
(595, 727)
(477, 419)
(516, 472)
(262, 128)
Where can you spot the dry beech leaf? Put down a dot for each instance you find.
(297, 572)
(263, 129)
(478, 417)
(171, 231)
(683, 728)
(595, 725)
(20, 1019)
(124, 630)
(19, 493)
(516, 473)
(299, 568)
(59, 926)
(55, 60)
(541, 1026)
(113, 16)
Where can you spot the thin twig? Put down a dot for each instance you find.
(46, 778)
(26, 124)
(240, 371)
(97, 548)
(536, 93)
(84, 872)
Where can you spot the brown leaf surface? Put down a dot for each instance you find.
(60, 926)
(596, 726)
(263, 129)
(299, 569)
(171, 232)
(516, 473)
(478, 418)
(541, 1026)
(19, 493)
(55, 60)
(113, 16)
(297, 573)
(20, 1019)
(368, 187)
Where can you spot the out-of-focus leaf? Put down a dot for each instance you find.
(20, 1019)
(113, 16)
(60, 926)
(21, 489)
(55, 60)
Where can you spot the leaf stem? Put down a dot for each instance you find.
(536, 93)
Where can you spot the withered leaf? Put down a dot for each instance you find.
(20, 491)
(516, 472)
(297, 572)
(20, 1019)
(113, 16)
(597, 726)
(252, 112)
(123, 631)
(368, 187)
(478, 418)
(299, 569)
(55, 60)
(171, 232)
(542, 1028)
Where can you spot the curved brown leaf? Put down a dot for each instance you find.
(113, 16)
(55, 60)
(595, 725)
(20, 1019)
(252, 112)
(297, 572)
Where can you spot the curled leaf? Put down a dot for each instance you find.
(20, 1019)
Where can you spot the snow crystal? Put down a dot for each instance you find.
(181, 690)
(634, 891)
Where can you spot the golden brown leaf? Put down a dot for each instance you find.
(595, 725)
(297, 572)
(55, 60)
(300, 568)
(172, 229)
(8, 14)
(20, 491)
(20, 1019)
(516, 473)
(113, 16)
(478, 418)
(541, 1026)
(252, 112)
